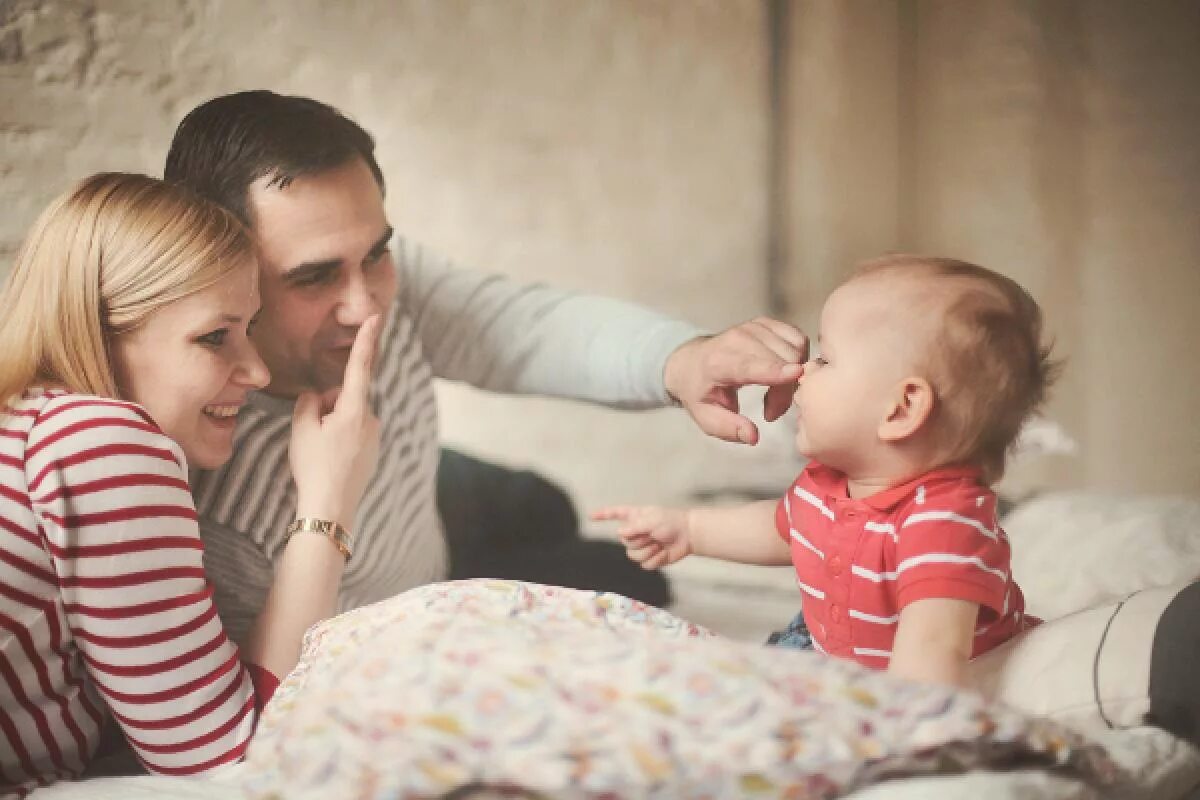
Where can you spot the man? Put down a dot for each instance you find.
(305, 180)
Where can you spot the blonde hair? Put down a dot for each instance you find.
(103, 257)
(989, 367)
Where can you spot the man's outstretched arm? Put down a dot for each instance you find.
(505, 336)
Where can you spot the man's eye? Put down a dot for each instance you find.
(820, 361)
(214, 338)
(316, 279)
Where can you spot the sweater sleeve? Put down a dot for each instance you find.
(111, 497)
(504, 336)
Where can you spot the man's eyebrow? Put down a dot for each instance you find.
(381, 244)
(310, 269)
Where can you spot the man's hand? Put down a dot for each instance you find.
(703, 375)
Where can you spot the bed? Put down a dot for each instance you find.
(491, 688)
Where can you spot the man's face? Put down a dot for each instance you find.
(326, 267)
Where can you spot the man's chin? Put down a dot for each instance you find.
(330, 372)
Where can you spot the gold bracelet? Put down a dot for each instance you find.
(328, 528)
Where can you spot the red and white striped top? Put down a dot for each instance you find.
(860, 562)
(104, 604)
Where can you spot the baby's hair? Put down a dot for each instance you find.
(988, 364)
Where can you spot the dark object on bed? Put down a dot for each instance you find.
(1175, 667)
(506, 523)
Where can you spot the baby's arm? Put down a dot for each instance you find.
(933, 640)
(655, 537)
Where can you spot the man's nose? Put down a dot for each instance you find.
(358, 302)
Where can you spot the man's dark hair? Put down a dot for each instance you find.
(229, 142)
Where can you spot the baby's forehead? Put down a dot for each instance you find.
(916, 293)
(894, 308)
(880, 297)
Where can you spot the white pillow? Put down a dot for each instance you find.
(1076, 550)
(1090, 669)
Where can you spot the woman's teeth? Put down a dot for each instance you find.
(221, 412)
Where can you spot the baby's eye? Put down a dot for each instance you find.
(214, 338)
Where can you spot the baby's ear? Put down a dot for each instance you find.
(909, 407)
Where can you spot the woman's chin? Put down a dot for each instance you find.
(208, 454)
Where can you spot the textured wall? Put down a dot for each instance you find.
(618, 146)
(609, 146)
(1057, 142)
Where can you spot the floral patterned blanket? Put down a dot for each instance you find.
(541, 691)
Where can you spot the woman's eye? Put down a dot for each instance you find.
(214, 338)
(820, 361)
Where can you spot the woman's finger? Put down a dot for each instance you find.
(356, 383)
(306, 412)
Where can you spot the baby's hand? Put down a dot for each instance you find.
(654, 537)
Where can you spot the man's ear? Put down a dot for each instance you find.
(909, 407)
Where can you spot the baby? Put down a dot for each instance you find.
(925, 371)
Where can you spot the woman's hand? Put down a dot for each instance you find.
(333, 455)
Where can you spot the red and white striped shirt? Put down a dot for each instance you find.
(860, 562)
(104, 604)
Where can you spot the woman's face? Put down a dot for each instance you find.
(191, 365)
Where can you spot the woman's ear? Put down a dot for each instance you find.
(908, 409)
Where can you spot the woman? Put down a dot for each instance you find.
(124, 332)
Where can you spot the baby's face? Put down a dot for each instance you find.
(865, 347)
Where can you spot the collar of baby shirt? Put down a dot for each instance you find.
(834, 485)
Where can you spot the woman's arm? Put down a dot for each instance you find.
(332, 457)
(112, 501)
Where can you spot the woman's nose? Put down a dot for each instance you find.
(253, 369)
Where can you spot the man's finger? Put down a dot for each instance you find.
(789, 333)
(759, 370)
(724, 424)
(784, 348)
(777, 401)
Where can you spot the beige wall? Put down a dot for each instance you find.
(613, 146)
(619, 146)
(1057, 142)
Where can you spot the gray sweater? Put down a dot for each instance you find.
(448, 323)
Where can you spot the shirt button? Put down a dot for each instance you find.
(835, 565)
(835, 613)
